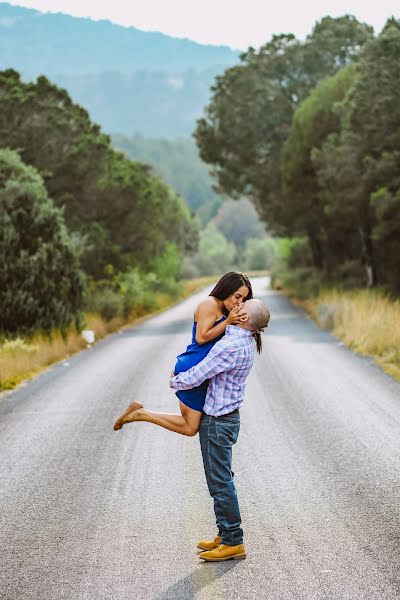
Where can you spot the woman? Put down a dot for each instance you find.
(224, 306)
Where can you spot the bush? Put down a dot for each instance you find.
(215, 255)
(293, 270)
(107, 302)
(302, 282)
(134, 293)
(295, 252)
(135, 290)
(350, 274)
(42, 286)
(165, 271)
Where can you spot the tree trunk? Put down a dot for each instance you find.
(367, 255)
(316, 249)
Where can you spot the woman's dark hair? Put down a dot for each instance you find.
(257, 337)
(228, 284)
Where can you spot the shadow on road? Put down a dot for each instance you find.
(188, 587)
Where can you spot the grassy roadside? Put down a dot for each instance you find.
(22, 358)
(368, 321)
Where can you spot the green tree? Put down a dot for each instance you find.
(239, 222)
(56, 136)
(41, 284)
(333, 43)
(215, 254)
(146, 214)
(360, 166)
(312, 213)
(122, 213)
(249, 116)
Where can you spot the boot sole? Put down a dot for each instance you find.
(236, 557)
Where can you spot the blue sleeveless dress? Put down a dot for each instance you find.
(194, 354)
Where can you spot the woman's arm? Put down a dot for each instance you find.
(206, 316)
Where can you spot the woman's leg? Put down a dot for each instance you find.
(187, 423)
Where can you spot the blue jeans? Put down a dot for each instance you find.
(217, 436)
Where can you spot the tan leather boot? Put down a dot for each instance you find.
(223, 552)
(204, 545)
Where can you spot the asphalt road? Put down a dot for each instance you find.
(90, 513)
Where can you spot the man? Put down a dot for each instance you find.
(227, 366)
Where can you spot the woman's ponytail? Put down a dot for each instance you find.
(258, 340)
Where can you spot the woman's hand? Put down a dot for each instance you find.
(237, 315)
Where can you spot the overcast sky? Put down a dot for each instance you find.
(236, 23)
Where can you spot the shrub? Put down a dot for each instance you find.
(302, 282)
(107, 302)
(215, 255)
(41, 284)
(136, 291)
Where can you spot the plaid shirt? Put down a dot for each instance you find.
(227, 366)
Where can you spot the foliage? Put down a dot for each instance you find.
(238, 221)
(215, 255)
(358, 168)
(315, 119)
(249, 116)
(167, 270)
(145, 214)
(41, 283)
(260, 254)
(293, 269)
(178, 162)
(318, 155)
(135, 292)
(122, 213)
(107, 302)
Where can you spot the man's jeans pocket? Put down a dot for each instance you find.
(227, 430)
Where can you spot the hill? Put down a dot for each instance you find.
(129, 80)
(179, 164)
(34, 42)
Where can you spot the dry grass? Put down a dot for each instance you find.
(21, 358)
(367, 321)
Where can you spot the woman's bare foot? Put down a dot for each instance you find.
(124, 418)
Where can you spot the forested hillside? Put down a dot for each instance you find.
(310, 131)
(129, 80)
(154, 103)
(179, 164)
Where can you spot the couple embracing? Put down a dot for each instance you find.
(209, 379)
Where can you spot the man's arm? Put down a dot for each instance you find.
(216, 361)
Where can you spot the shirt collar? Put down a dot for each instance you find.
(238, 331)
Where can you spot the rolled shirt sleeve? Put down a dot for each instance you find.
(216, 361)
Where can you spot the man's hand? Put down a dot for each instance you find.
(237, 315)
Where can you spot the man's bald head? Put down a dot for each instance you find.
(258, 315)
